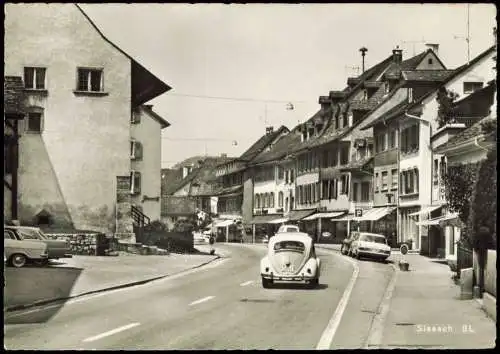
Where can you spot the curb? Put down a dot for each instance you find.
(126, 285)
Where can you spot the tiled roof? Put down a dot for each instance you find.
(363, 105)
(169, 179)
(229, 190)
(372, 84)
(13, 95)
(427, 75)
(475, 130)
(261, 144)
(393, 112)
(394, 71)
(284, 146)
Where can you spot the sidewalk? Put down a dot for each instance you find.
(80, 275)
(425, 310)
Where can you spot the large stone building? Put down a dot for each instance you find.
(89, 146)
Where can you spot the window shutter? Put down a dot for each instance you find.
(416, 180)
(137, 182)
(138, 150)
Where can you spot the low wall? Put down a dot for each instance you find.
(179, 242)
(490, 274)
(91, 244)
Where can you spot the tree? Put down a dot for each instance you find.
(445, 99)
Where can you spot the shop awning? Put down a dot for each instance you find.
(429, 222)
(347, 217)
(450, 220)
(324, 215)
(300, 214)
(374, 214)
(264, 219)
(224, 223)
(426, 210)
(278, 221)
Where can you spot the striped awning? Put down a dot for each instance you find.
(324, 215)
(375, 214)
(278, 221)
(426, 210)
(296, 215)
(451, 220)
(348, 217)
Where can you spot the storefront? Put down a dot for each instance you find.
(314, 223)
(381, 220)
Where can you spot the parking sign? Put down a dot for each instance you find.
(358, 212)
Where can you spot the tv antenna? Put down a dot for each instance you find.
(413, 44)
(467, 38)
(353, 68)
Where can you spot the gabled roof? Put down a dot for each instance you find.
(139, 92)
(475, 130)
(156, 116)
(394, 71)
(261, 144)
(426, 75)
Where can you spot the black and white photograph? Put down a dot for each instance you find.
(250, 176)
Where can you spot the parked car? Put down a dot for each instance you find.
(19, 252)
(198, 238)
(288, 228)
(345, 249)
(290, 257)
(371, 246)
(56, 248)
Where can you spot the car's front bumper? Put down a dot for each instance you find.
(286, 277)
(374, 254)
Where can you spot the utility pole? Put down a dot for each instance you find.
(363, 51)
(467, 38)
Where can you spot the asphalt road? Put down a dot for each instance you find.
(220, 306)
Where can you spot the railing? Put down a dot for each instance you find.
(140, 219)
(464, 259)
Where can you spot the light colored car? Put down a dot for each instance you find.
(19, 252)
(371, 246)
(288, 228)
(56, 248)
(290, 257)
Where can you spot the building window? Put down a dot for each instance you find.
(344, 155)
(34, 122)
(392, 139)
(90, 80)
(135, 182)
(34, 78)
(410, 139)
(380, 142)
(435, 172)
(345, 184)
(135, 150)
(377, 182)
(345, 120)
(355, 192)
(429, 61)
(360, 153)
(365, 95)
(386, 87)
(470, 87)
(281, 173)
(135, 117)
(257, 201)
(292, 176)
(385, 178)
(280, 200)
(394, 176)
(365, 191)
(410, 94)
(409, 181)
(271, 200)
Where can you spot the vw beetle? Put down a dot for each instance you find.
(290, 257)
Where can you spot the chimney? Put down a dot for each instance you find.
(363, 51)
(324, 101)
(397, 55)
(269, 130)
(434, 47)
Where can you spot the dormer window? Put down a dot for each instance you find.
(365, 94)
(386, 87)
(319, 127)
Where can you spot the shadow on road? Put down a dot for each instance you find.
(27, 285)
(298, 286)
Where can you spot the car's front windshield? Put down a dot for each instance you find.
(373, 238)
(42, 235)
(29, 234)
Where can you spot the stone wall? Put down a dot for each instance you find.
(82, 244)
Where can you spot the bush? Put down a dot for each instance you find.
(483, 209)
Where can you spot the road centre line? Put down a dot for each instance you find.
(330, 330)
(201, 300)
(246, 283)
(113, 331)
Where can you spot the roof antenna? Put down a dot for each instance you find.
(467, 39)
(363, 51)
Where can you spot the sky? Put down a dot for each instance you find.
(259, 57)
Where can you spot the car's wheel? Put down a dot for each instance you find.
(357, 255)
(18, 260)
(311, 284)
(342, 250)
(266, 283)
